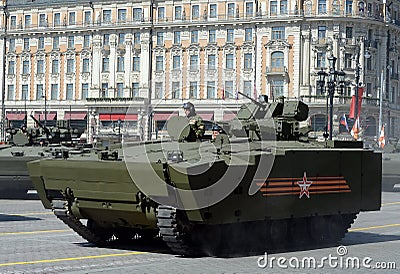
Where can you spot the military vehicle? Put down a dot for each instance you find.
(260, 181)
(24, 145)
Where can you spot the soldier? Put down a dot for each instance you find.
(195, 122)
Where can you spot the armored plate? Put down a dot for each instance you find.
(178, 127)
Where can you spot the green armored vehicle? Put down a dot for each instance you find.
(24, 145)
(259, 181)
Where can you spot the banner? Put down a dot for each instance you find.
(352, 113)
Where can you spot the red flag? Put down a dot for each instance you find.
(356, 129)
(223, 94)
(381, 139)
(353, 103)
(255, 92)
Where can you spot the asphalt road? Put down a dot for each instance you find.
(33, 240)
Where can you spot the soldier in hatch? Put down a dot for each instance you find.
(195, 122)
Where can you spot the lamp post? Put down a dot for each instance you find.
(6, 14)
(334, 77)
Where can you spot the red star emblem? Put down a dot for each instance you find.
(304, 185)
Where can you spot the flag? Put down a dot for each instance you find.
(343, 121)
(356, 129)
(381, 139)
(237, 95)
(223, 94)
(352, 113)
(255, 92)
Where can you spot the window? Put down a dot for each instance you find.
(278, 33)
(210, 89)
(195, 12)
(11, 45)
(120, 64)
(28, 21)
(231, 10)
(273, 8)
(54, 67)
(106, 65)
(321, 57)
(26, 44)
(248, 61)
(13, 22)
(120, 90)
(247, 88)
(56, 42)
(70, 92)
(277, 88)
(178, 13)
(86, 65)
(228, 91)
(194, 62)
(347, 60)
(159, 90)
(321, 32)
(121, 15)
(177, 37)
(54, 91)
(135, 89)
(211, 61)
(277, 61)
(175, 90)
(211, 36)
(10, 92)
(159, 63)
(71, 18)
(192, 90)
(42, 20)
(136, 63)
(349, 6)
(248, 36)
(71, 42)
(85, 91)
(106, 39)
(322, 6)
(107, 16)
(137, 14)
(230, 35)
(104, 90)
(161, 14)
(57, 19)
(176, 62)
(86, 41)
(349, 32)
(24, 94)
(284, 7)
(160, 38)
(249, 9)
(39, 91)
(121, 38)
(229, 61)
(25, 67)
(87, 17)
(41, 43)
(136, 38)
(194, 39)
(70, 65)
(40, 67)
(213, 11)
(11, 67)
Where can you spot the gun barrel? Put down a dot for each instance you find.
(248, 97)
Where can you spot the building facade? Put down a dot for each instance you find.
(92, 61)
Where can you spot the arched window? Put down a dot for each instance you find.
(277, 61)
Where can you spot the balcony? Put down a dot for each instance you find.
(277, 71)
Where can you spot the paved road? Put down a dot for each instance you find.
(32, 240)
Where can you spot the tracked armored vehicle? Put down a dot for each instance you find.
(260, 182)
(24, 145)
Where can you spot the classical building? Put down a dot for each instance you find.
(92, 61)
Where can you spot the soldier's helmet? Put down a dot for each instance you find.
(189, 106)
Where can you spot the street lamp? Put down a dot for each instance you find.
(334, 77)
